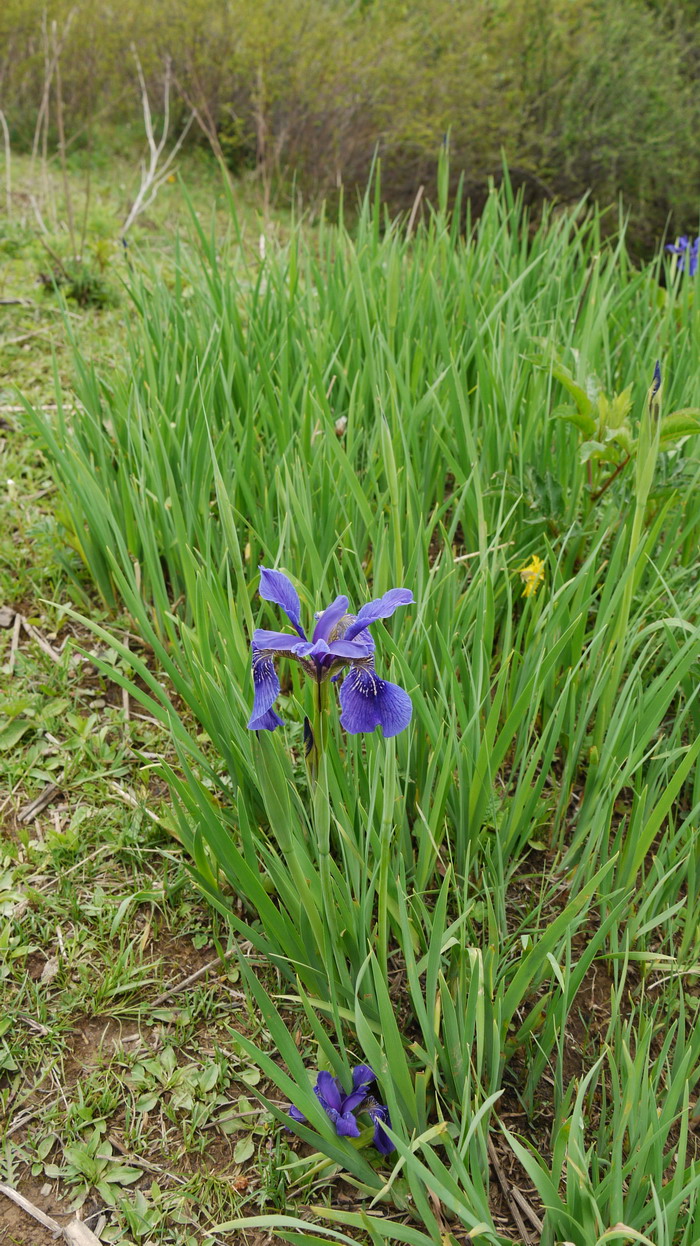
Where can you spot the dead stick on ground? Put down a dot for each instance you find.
(78, 1234)
(194, 977)
(30, 1209)
(502, 1181)
(75, 1234)
(131, 800)
(32, 810)
(527, 1209)
(43, 644)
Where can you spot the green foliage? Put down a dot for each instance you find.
(362, 409)
(81, 282)
(595, 96)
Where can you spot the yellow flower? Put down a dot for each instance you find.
(532, 575)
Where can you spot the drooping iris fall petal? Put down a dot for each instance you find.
(368, 702)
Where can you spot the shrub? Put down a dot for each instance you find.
(595, 97)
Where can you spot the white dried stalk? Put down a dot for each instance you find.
(154, 174)
(8, 171)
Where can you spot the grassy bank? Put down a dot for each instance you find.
(496, 909)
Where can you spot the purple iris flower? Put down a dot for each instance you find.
(339, 640)
(688, 252)
(379, 1114)
(341, 1107)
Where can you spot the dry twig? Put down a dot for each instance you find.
(508, 1194)
(193, 977)
(34, 807)
(153, 177)
(31, 1210)
(76, 1233)
(43, 644)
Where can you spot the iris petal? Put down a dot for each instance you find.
(269, 721)
(346, 1125)
(328, 1092)
(277, 642)
(362, 1075)
(352, 1101)
(380, 608)
(330, 617)
(317, 650)
(266, 690)
(353, 650)
(382, 1141)
(368, 701)
(275, 587)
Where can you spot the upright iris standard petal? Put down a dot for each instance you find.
(330, 618)
(380, 608)
(334, 1102)
(275, 587)
(368, 701)
(266, 690)
(362, 1077)
(328, 1092)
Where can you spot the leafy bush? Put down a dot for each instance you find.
(595, 96)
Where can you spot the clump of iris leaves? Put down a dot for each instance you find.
(441, 408)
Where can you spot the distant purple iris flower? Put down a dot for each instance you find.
(339, 640)
(688, 253)
(341, 1107)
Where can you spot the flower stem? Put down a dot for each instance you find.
(318, 733)
(384, 858)
(321, 813)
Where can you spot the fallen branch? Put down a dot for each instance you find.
(34, 807)
(508, 1194)
(43, 644)
(31, 1210)
(193, 977)
(76, 1233)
